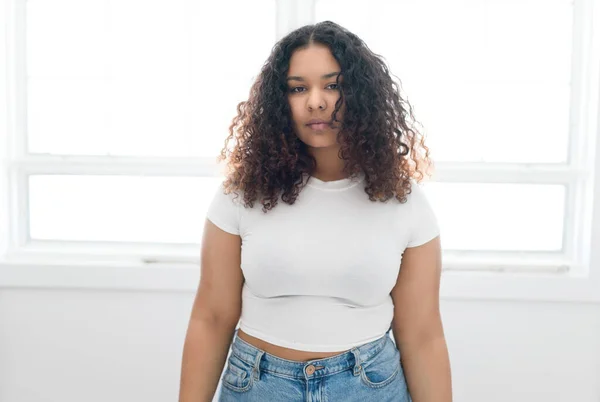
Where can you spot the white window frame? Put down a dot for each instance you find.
(467, 275)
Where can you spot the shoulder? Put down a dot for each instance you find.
(417, 191)
(224, 208)
(231, 196)
(423, 218)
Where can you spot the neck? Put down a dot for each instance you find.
(329, 166)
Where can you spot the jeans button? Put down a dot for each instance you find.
(310, 370)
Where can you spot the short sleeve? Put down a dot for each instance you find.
(224, 211)
(424, 221)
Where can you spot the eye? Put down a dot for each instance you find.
(335, 85)
(293, 90)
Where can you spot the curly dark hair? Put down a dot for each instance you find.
(377, 138)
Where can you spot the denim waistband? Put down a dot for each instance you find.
(263, 361)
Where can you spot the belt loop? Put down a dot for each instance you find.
(357, 366)
(256, 368)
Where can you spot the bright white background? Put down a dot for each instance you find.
(122, 106)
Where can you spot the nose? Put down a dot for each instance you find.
(316, 101)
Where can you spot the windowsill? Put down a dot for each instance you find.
(105, 275)
(183, 277)
(562, 287)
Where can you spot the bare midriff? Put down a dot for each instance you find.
(282, 352)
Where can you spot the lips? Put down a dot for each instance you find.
(318, 124)
(318, 121)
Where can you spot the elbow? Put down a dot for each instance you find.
(417, 336)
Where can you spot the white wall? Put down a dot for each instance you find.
(98, 346)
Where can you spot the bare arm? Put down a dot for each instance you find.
(417, 324)
(214, 315)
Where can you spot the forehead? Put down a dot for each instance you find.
(312, 62)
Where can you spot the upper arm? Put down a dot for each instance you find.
(416, 294)
(221, 279)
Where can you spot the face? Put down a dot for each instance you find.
(312, 94)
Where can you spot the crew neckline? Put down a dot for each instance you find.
(341, 184)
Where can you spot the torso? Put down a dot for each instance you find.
(347, 275)
(284, 353)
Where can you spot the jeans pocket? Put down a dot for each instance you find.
(238, 374)
(381, 369)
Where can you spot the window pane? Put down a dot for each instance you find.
(141, 78)
(119, 208)
(483, 76)
(490, 216)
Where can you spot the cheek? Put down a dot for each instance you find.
(294, 115)
(296, 110)
(333, 102)
(292, 104)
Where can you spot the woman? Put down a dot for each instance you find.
(319, 242)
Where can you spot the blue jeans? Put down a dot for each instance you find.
(370, 372)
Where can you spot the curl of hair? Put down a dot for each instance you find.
(377, 135)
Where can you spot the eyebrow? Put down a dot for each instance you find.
(324, 77)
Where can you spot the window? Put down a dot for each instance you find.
(123, 119)
(500, 90)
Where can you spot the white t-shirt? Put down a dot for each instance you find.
(318, 274)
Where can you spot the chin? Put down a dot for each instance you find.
(320, 145)
(319, 140)
(315, 143)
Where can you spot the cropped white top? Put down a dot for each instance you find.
(318, 273)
